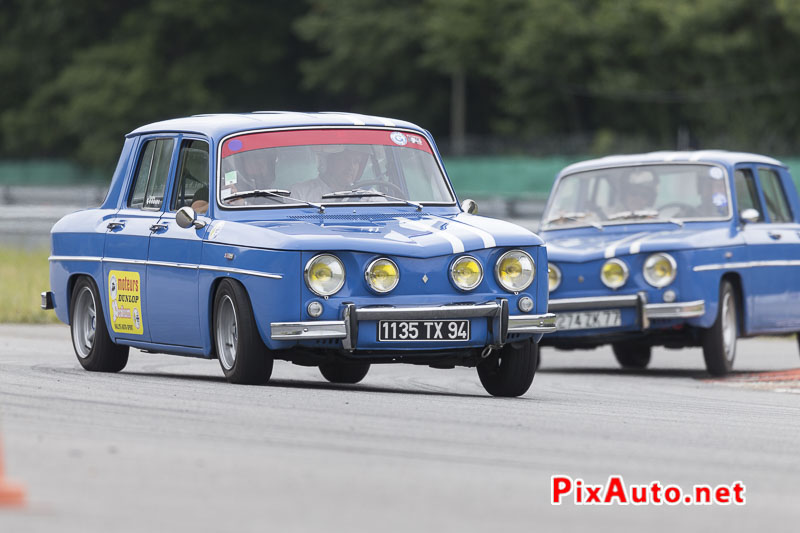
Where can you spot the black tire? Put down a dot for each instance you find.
(509, 372)
(90, 339)
(632, 355)
(338, 371)
(719, 341)
(242, 354)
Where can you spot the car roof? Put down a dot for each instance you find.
(706, 156)
(219, 125)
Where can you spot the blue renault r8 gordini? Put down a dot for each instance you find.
(325, 239)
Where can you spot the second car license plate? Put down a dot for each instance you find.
(423, 330)
(606, 318)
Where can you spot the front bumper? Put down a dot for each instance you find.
(644, 311)
(347, 329)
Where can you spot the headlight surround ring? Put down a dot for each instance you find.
(614, 267)
(502, 274)
(324, 274)
(374, 276)
(660, 269)
(466, 262)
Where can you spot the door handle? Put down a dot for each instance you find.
(158, 227)
(115, 225)
(774, 235)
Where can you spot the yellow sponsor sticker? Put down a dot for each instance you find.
(125, 302)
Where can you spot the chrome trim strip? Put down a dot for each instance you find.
(747, 264)
(441, 312)
(173, 265)
(329, 329)
(124, 261)
(241, 271)
(74, 258)
(587, 303)
(676, 309)
(532, 323)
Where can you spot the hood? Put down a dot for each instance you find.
(624, 240)
(403, 234)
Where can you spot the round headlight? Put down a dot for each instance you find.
(659, 270)
(614, 273)
(466, 273)
(382, 275)
(324, 274)
(553, 277)
(515, 270)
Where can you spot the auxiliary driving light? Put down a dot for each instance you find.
(466, 273)
(382, 275)
(614, 273)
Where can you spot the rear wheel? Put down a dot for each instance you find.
(632, 355)
(93, 345)
(338, 371)
(719, 341)
(242, 355)
(510, 371)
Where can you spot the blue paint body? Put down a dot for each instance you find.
(761, 259)
(177, 297)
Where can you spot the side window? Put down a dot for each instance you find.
(151, 174)
(191, 187)
(746, 192)
(777, 206)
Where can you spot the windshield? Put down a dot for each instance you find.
(301, 166)
(645, 193)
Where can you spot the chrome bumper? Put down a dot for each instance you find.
(347, 329)
(645, 311)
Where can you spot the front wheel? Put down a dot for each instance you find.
(93, 345)
(344, 371)
(631, 355)
(510, 371)
(719, 341)
(242, 355)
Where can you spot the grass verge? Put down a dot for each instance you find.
(24, 274)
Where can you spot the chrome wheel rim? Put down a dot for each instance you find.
(728, 326)
(227, 333)
(84, 324)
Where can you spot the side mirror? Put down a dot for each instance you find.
(470, 206)
(187, 218)
(750, 215)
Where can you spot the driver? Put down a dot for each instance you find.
(639, 193)
(340, 171)
(250, 170)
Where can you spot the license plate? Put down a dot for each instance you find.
(606, 318)
(423, 330)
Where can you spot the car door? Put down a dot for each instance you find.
(175, 252)
(128, 237)
(773, 243)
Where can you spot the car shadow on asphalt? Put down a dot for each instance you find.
(652, 373)
(317, 385)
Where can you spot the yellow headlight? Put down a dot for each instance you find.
(614, 273)
(660, 270)
(324, 274)
(466, 273)
(553, 277)
(515, 270)
(382, 275)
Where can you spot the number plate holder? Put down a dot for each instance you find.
(423, 330)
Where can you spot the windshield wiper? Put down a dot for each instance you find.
(643, 213)
(271, 193)
(577, 216)
(361, 193)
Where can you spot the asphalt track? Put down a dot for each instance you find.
(168, 445)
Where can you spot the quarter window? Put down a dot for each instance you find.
(777, 206)
(746, 192)
(151, 174)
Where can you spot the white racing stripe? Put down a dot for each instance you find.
(636, 246)
(486, 237)
(456, 243)
(611, 249)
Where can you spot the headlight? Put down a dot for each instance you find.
(553, 277)
(466, 273)
(382, 275)
(659, 270)
(515, 270)
(324, 274)
(614, 273)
